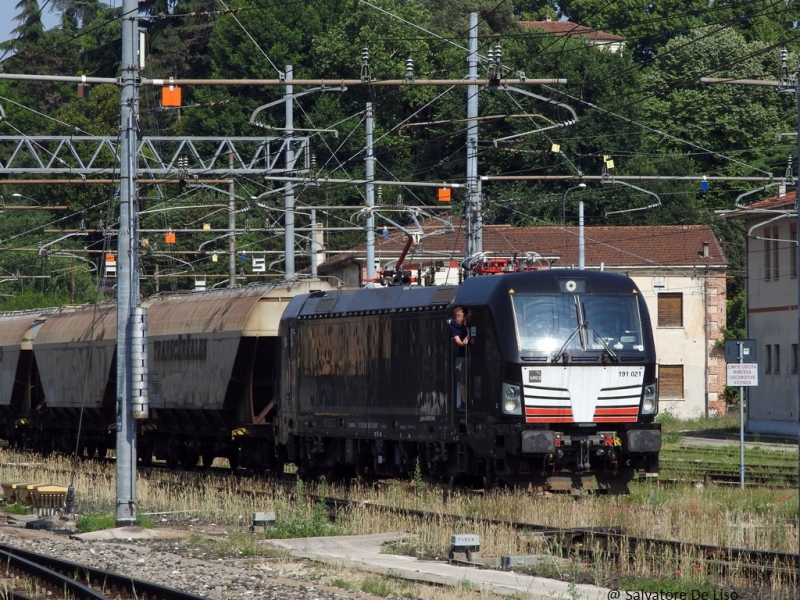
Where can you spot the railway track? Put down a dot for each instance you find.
(612, 544)
(37, 575)
(707, 472)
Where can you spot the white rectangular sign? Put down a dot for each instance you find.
(742, 374)
(259, 265)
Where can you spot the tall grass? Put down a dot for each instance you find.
(751, 518)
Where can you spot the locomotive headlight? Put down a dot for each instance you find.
(650, 401)
(512, 399)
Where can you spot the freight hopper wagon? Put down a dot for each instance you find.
(17, 390)
(211, 363)
(56, 368)
(561, 386)
(212, 372)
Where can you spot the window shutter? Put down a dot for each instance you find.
(670, 381)
(670, 310)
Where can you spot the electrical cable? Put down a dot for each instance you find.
(250, 37)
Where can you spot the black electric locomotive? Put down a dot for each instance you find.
(561, 382)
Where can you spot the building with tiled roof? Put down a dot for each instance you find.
(681, 270)
(595, 37)
(772, 315)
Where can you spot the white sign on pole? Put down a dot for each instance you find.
(740, 375)
(259, 265)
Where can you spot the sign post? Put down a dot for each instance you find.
(740, 356)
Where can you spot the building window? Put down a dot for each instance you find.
(794, 359)
(775, 254)
(670, 382)
(768, 358)
(767, 255)
(670, 310)
(793, 249)
(777, 366)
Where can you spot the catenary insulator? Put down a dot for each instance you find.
(409, 70)
(365, 74)
(783, 76)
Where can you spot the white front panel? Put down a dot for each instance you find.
(582, 394)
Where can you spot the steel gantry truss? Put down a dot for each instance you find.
(156, 156)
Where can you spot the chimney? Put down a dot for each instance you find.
(706, 253)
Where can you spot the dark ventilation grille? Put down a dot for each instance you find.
(443, 295)
(325, 305)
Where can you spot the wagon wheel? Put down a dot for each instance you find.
(489, 478)
(190, 458)
(233, 459)
(208, 459)
(365, 470)
(173, 459)
(447, 483)
(146, 455)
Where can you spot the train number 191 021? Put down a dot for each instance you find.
(633, 373)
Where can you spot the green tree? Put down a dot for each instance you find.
(450, 17)
(76, 13)
(30, 27)
(730, 121)
(649, 26)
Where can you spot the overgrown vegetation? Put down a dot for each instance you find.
(728, 423)
(97, 522)
(304, 518)
(17, 509)
(762, 519)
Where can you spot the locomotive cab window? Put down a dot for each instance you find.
(586, 322)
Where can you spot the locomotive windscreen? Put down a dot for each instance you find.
(553, 322)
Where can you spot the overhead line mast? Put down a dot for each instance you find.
(474, 220)
(128, 265)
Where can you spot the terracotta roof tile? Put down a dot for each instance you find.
(664, 245)
(572, 30)
(774, 202)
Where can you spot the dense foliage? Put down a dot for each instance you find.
(643, 107)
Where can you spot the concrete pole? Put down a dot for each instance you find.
(581, 241)
(370, 177)
(314, 243)
(127, 266)
(473, 216)
(797, 221)
(288, 197)
(231, 226)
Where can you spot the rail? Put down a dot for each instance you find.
(79, 582)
